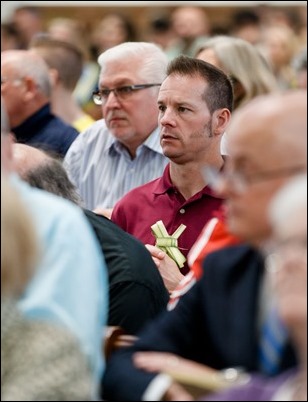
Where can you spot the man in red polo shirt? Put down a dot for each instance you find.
(195, 103)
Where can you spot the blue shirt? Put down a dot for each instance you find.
(46, 131)
(70, 285)
(102, 169)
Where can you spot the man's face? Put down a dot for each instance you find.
(12, 91)
(246, 207)
(267, 145)
(264, 155)
(289, 267)
(184, 119)
(130, 120)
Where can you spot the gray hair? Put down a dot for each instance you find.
(52, 177)
(289, 202)
(152, 60)
(26, 63)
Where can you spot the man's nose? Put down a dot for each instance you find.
(167, 118)
(112, 100)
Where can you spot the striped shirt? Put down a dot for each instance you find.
(102, 169)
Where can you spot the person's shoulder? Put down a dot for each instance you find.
(96, 135)
(62, 126)
(232, 256)
(109, 232)
(95, 130)
(48, 205)
(145, 190)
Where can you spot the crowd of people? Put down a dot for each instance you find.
(161, 189)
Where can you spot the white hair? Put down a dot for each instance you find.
(152, 60)
(289, 203)
(26, 63)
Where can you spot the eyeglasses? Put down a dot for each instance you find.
(240, 182)
(122, 93)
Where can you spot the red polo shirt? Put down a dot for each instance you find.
(158, 200)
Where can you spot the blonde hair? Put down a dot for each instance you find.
(19, 247)
(243, 63)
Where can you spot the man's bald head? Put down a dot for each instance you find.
(267, 144)
(273, 129)
(43, 171)
(27, 158)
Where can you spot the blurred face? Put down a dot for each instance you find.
(189, 22)
(130, 120)
(12, 92)
(278, 46)
(209, 56)
(110, 32)
(247, 209)
(290, 279)
(184, 119)
(257, 168)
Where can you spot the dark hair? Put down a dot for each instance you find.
(52, 177)
(243, 18)
(160, 24)
(218, 93)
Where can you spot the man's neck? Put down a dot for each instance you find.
(188, 178)
(65, 107)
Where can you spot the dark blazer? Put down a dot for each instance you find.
(136, 289)
(46, 131)
(214, 324)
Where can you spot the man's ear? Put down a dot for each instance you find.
(220, 121)
(54, 77)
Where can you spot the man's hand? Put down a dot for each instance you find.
(167, 267)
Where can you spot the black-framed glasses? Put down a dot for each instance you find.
(239, 182)
(100, 97)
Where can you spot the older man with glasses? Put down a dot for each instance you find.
(219, 321)
(122, 150)
(26, 90)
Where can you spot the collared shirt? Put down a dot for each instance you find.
(102, 169)
(160, 200)
(70, 284)
(46, 131)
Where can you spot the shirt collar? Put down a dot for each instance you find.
(164, 184)
(152, 143)
(25, 130)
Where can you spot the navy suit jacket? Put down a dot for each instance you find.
(215, 323)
